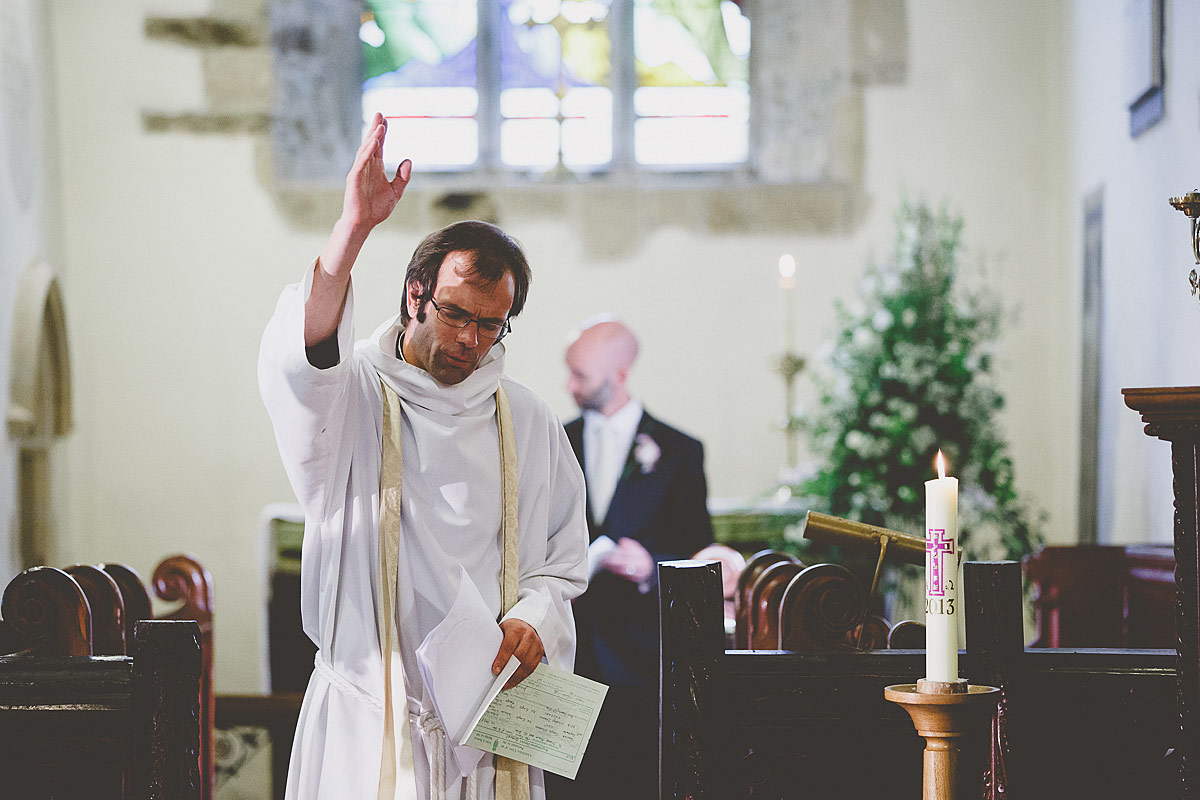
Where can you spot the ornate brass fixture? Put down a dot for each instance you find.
(1190, 204)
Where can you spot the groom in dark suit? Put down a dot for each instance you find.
(647, 502)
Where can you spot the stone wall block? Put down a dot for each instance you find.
(250, 11)
(802, 123)
(880, 29)
(806, 210)
(238, 80)
(803, 82)
(318, 89)
(848, 142)
(204, 31)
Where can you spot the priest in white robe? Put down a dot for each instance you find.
(407, 431)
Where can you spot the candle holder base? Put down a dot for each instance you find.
(926, 686)
(944, 713)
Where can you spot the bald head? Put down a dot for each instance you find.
(598, 361)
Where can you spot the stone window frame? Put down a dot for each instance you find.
(39, 404)
(289, 73)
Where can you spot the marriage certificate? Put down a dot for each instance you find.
(546, 720)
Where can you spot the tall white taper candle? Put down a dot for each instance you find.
(941, 576)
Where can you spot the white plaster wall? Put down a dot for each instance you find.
(177, 253)
(29, 223)
(1150, 321)
(980, 123)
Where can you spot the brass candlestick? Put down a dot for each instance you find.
(1189, 204)
(943, 714)
(789, 366)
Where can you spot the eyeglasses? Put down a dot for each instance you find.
(457, 318)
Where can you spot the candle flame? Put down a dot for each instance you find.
(787, 266)
(941, 464)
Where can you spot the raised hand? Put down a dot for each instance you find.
(370, 196)
(369, 200)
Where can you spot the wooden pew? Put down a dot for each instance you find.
(107, 610)
(766, 597)
(743, 600)
(116, 599)
(184, 580)
(781, 604)
(74, 725)
(1104, 595)
(740, 724)
(45, 613)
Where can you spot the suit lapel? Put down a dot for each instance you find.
(575, 437)
(625, 499)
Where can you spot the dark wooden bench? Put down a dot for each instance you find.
(76, 725)
(742, 724)
(1104, 595)
(782, 604)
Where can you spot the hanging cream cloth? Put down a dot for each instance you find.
(512, 777)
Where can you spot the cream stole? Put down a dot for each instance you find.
(512, 777)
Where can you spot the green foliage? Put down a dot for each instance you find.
(912, 373)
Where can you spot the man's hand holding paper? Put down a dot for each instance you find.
(520, 641)
(454, 660)
(548, 726)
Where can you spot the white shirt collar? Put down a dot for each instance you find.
(623, 421)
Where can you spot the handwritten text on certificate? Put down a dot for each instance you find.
(546, 720)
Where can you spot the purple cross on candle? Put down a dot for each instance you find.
(935, 544)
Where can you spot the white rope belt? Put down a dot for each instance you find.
(434, 737)
(339, 682)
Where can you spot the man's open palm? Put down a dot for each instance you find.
(370, 196)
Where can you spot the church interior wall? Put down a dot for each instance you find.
(1150, 321)
(30, 223)
(175, 252)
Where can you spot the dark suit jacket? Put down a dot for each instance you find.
(663, 507)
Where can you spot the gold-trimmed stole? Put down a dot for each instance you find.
(512, 777)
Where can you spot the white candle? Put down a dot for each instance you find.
(787, 282)
(941, 576)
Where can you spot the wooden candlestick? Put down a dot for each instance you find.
(944, 713)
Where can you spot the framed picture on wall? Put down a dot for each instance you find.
(1143, 64)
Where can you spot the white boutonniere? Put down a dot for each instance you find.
(646, 452)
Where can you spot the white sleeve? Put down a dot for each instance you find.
(308, 406)
(545, 590)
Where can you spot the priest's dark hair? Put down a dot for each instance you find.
(493, 253)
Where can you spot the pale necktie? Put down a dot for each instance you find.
(608, 471)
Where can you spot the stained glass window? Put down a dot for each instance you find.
(577, 85)
(555, 97)
(692, 98)
(420, 64)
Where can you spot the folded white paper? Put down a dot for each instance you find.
(456, 664)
